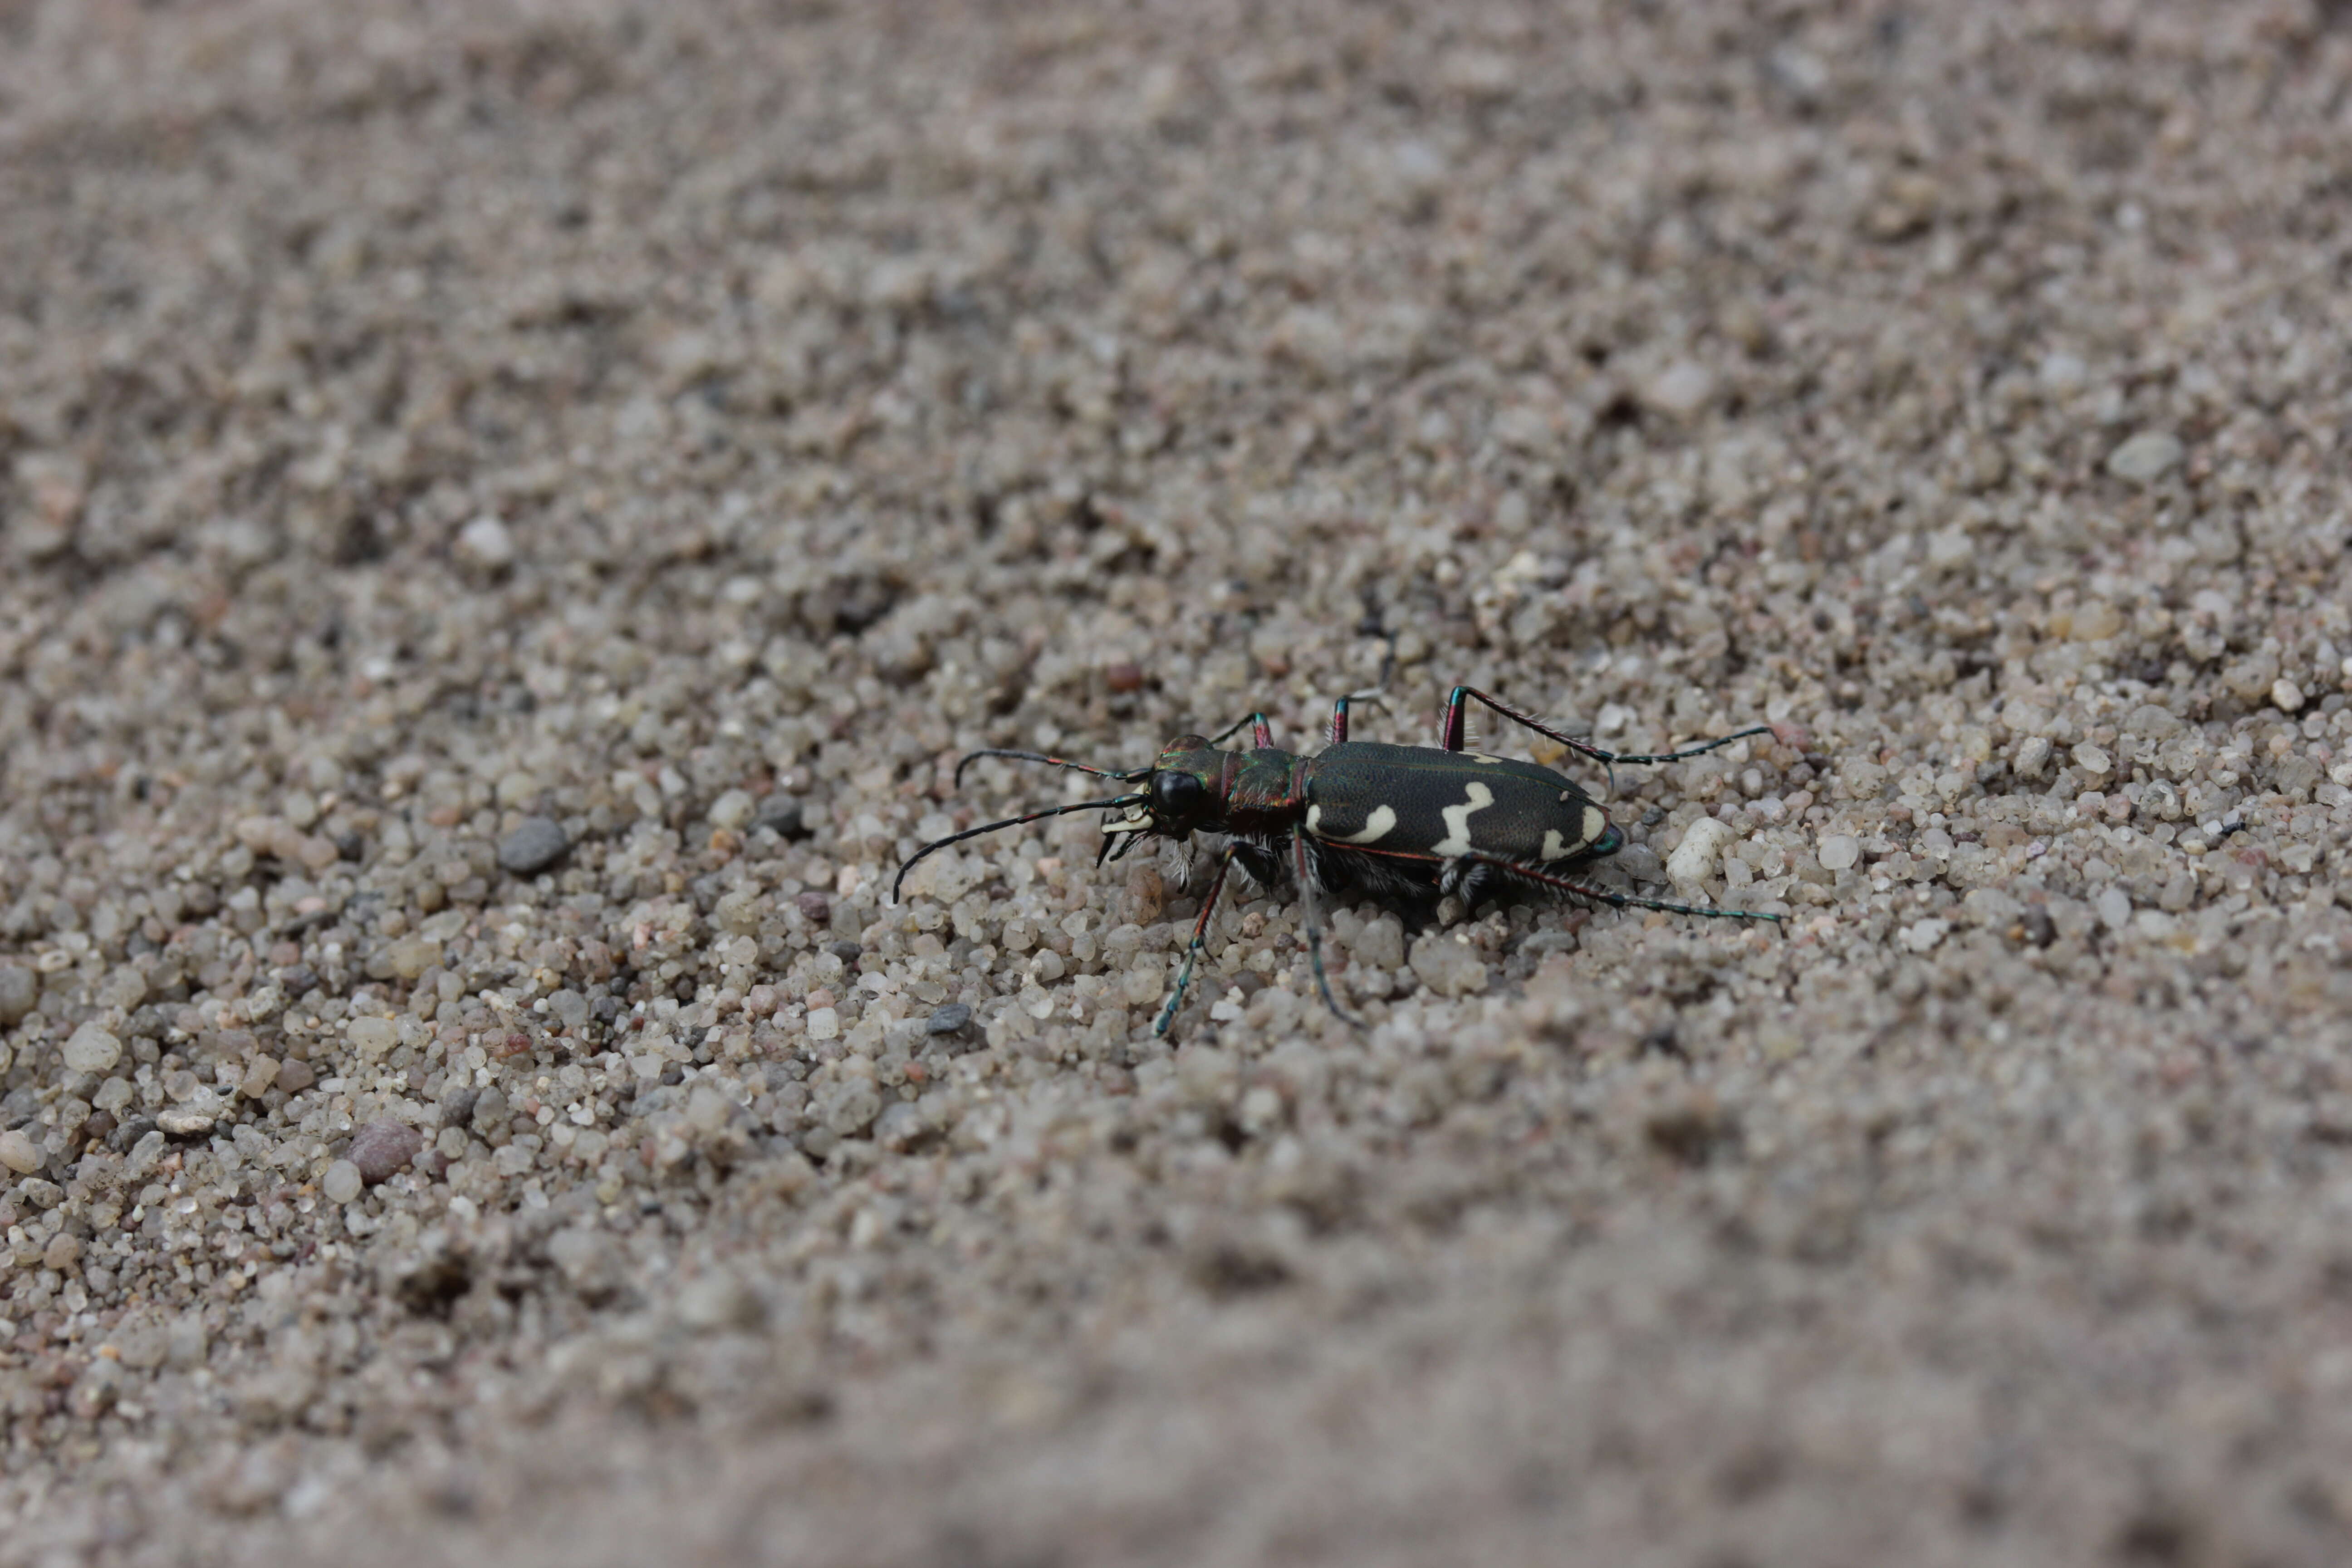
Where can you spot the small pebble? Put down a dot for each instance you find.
(731, 810)
(1448, 967)
(383, 1146)
(20, 989)
(141, 1342)
(192, 1121)
(1682, 389)
(1839, 851)
(373, 1037)
(1919, 936)
(487, 541)
(537, 842)
(1640, 862)
(950, 1019)
(716, 1301)
(815, 907)
(18, 1153)
(1379, 943)
(2093, 760)
(2286, 695)
(1696, 858)
(91, 1049)
(2146, 458)
(2096, 622)
(412, 957)
(295, 1077)
(707, 1110)
(342, 1183)
(569, 1009)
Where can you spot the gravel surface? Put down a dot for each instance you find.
(511, 512)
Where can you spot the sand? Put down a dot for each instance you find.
(513, 511)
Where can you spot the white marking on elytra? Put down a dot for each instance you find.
(1595, 825)
(1458, 820)
(1376, 826)
(1553, 849)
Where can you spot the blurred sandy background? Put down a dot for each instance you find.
(510, 511)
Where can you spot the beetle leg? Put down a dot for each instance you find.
(1457, 713)
(1340, 711)
(1477, 859)
(1200, 938)
(1264, 869)
(1260, 731)
(1375, 694)
(1455, 734)
(1312, 919)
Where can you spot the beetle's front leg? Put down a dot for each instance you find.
(1199, 939)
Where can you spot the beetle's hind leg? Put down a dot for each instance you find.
(1452, 739)
(1475, 860)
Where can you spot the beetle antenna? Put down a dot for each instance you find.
(1118, 803)
(1132, 776)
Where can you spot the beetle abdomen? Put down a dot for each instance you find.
(1419, 802)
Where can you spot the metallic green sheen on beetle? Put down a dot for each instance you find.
(1394, 821)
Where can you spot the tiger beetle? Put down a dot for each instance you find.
(1390, 820)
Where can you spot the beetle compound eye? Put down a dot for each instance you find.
(1176, 794)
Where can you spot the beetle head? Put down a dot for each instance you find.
(1186, 786)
